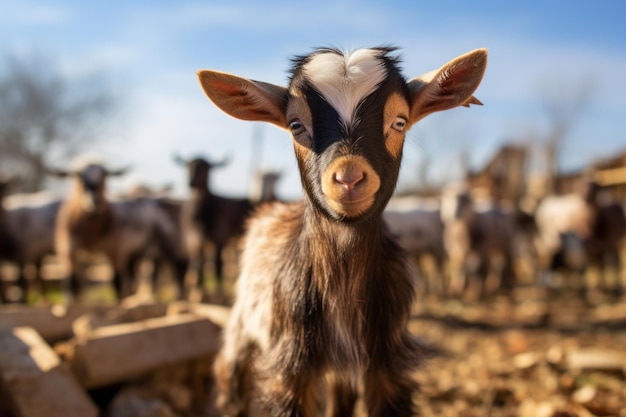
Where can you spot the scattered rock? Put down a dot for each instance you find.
(526, 360)
(139, 402)
(585, 394)
(596, 360)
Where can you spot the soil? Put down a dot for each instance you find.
(531, 356)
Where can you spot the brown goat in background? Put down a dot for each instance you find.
(325, 292)
(124, 231)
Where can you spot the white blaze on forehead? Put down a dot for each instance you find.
(345, 80)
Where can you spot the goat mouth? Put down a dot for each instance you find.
(350, 205)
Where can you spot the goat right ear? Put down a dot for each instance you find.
(57, 172)
(245, 99)
(450, 86)
(179, 159)
(224, 162)
(118, 172)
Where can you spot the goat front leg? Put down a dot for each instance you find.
(342, 397)
(287, 395)
(390, 395)
(233, 383)
(125, 269)
(276, 396)
(233, 369)
(219, 271)
(390, 385)
(22, 281)
(69, 263)
(75, 275)
(199, 266)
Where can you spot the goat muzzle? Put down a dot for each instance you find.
(349, 185)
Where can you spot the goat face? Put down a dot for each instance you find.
(199, 169)
(91, 180)
(89, 183)
(348, 114)
(198, 173)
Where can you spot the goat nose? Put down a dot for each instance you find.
(349, 179)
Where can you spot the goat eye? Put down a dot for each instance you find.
(296, 127)
(399, 124)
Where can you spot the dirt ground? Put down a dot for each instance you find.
(534, 356)
(528, 355)
(531, 356)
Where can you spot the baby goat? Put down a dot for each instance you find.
(325, 293)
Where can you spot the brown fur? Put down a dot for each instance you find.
(325, 292)
(124, 231)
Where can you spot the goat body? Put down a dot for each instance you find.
(325, 293)
(124, 230)
(417, 224)
(479, 238)
(27, 229)
(264, 186)
(209, 217)
(577, 230)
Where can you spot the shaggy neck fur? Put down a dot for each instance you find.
(339, 298)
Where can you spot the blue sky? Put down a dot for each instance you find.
(151, 50)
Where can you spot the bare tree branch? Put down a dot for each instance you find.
(43, 113)
(564, 104)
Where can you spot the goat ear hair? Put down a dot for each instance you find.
(245, 99)
(117, 172)
(225, 161)
(57, 172)
(179, 159)
(450, 86)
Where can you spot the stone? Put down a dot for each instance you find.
(596, 360)
(137, 402)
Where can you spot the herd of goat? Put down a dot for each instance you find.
(139, 225)
(474, 245)
(324, 294)
(484, 244)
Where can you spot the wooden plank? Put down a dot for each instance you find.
(35, 381)
(116, 353)
(52, 324)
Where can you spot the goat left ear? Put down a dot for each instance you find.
(117, 172)
(179, 159)
(450, 86)
(220, 164)
(245, 99)
(57, 172)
